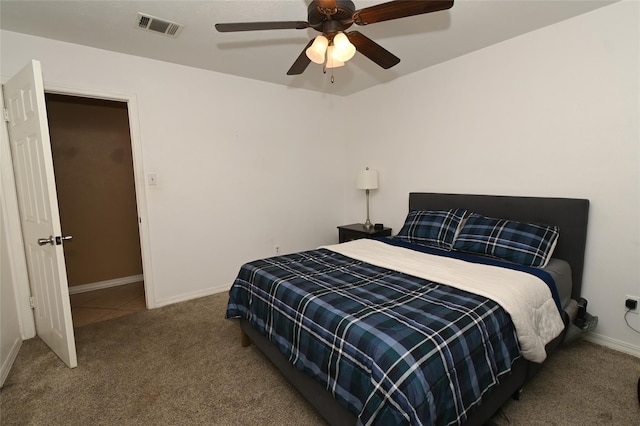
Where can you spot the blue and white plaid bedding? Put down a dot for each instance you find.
(393, 348)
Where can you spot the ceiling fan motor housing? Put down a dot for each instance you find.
(317, 16)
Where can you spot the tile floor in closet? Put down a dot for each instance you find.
(100, 305)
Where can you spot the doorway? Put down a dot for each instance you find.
(93, 164)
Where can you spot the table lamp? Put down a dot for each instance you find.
(367, 179)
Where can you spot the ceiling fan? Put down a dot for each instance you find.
(332, 18)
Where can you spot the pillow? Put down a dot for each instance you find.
(432, 228)
(523, 243)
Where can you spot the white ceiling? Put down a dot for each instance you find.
(419, 41)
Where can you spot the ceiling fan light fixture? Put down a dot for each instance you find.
(343, 49)
(316, 51)
(332, 62)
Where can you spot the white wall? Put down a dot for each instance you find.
(10, 337)
(551, 113)
(239, 169)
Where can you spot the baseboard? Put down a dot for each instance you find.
(8, 363)
(83, 288)
(195, 295)
(614, 344)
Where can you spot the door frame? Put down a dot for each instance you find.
(139, 182)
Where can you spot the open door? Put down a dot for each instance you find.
(39, 215)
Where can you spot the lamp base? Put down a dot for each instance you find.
(367, 225)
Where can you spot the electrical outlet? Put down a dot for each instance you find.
(629, 303)
(277, 249)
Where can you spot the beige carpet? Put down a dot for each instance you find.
(183, 364)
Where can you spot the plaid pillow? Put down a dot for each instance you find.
(523, 243)
(433, 228)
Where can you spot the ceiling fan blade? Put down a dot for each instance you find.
(398, 9)
(302, 62)
(256, 26)
(373, 50)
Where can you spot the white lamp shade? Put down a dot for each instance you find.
(344, 50)
(316, 51)
(332, 62)
(368, 179)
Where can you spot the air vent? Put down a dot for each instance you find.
(157, 25)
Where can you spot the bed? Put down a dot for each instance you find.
(412, 363)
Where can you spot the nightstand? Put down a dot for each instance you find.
(357, 231)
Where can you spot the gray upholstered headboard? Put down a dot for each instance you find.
(569, 214)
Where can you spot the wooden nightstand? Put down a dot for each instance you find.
(357, 231)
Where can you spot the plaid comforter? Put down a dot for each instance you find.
(393, 348)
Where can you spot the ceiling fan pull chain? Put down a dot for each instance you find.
(324, 71)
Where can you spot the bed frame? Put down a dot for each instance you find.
(570, 215)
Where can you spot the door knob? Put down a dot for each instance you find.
(45, 241)
(53, 240)
(59, 240)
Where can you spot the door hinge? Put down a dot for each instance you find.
(32, 304)
(5, 114)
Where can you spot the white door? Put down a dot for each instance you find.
(38, 204)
